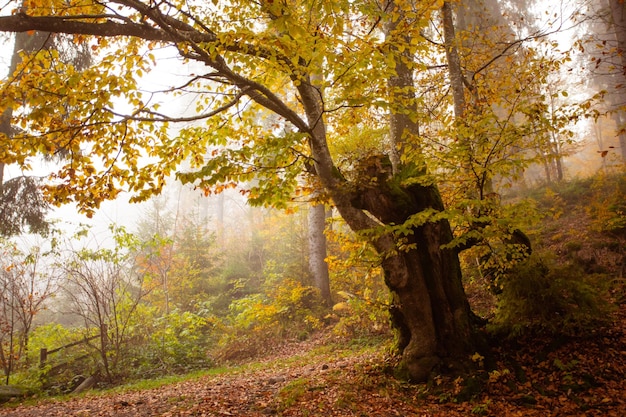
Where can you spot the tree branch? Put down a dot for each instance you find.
(159, 117)
(170, 30)
(21, 22)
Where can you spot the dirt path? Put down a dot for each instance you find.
(253, 393)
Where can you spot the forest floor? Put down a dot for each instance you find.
(324, 377)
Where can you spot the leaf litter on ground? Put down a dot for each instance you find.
(323, 377)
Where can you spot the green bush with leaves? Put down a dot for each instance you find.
(357, 278)
(541, 296)
(608, 208)
(361, 316)
(173, 343)
(286, 309)
(62, 365)
(182, 340)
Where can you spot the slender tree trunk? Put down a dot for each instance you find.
(599, 140)
(558, 162)
(317, 251)
(618, 14)
(104, 347)
(220, 201)
(546, 167)
(454, 61)
(620, 121)
(317, 225)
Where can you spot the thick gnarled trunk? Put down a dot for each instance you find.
(430, 309)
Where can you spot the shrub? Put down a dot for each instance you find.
(360, 316)
(289, 307)
(541, 296)
(62, 365)
(608, 205)
(260, 321)
(173, 343)
(182, 340)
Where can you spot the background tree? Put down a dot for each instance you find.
(618, 25)
(156, 231)
(509, 115)
(22, 204)
(318, 250)
(26, 283)
(105, 294)
(602, 46)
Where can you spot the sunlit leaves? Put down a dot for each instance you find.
(61, 109)
(117, 139)
(267, 166)
(120, 139)
(62, 7)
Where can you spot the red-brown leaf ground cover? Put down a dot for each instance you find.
(321, 377)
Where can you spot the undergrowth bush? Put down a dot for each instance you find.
(608, 205)
(360, 316)
(285, 310)
(182, 339)
(172, 343)
(357, 278)
(62, 365)
(541, 296)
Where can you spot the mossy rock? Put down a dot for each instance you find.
(9, 392)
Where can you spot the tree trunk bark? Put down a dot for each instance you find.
(622, 134)
(618, 13)
(620, 122)
(317, 251)
(454, 61)
(430, 310)
(547, 169)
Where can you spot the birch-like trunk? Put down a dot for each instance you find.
(317, 251)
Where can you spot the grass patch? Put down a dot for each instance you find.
(291, 394)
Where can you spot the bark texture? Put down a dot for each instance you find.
(317, 251)
(618, 14)
(430, 311)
